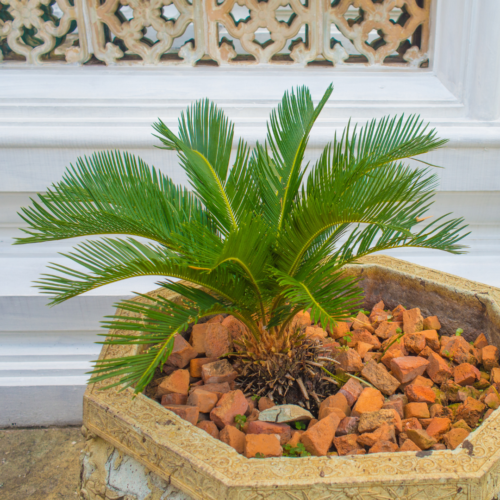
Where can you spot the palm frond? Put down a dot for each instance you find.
(329, 296)
(288, 134)
(112, 193)
(204, 146)
(110, 260)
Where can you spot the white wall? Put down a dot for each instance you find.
(49, 116)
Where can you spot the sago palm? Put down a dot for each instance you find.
(261, 233)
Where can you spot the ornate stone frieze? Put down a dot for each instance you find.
(183, 32)
(204, 468)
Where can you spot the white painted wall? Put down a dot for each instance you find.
(49, 116)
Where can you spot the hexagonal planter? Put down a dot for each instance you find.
(204, 468)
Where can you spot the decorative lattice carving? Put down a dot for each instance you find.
(189, 32)
(42, 30)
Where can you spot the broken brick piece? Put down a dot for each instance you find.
(189, 413)
(420, 394)
(489, 356)
(217, 372)
(318, 438)
(369, 400)
(407, 368)
(417, 410)
(233, 437)
(229, 405)
(412, 321)
(454, 438)
(438, 369)
(346, 444)
(263, 445)
(351, 390)
(378, 375)
(466, 374)
(432, 323)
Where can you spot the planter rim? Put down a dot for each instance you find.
(206, 468)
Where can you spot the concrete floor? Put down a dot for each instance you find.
(40, 464)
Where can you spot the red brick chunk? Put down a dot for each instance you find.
(350, 361)
(369, 400)
(182, 352)
(385, 432)
(362, 321)
(455, 437)
(416, 410)
(348, 425)
(412, 321)
(383, 447)
(352, 389)
(421, 438)
(210, 427)
(266, 445)
(438, 427)
(217, 372)
(466, 374)
(218, 389)
(409, 445)
(396, 404)
(378, 375)
(177, 383)
(458, 349)
(233, 437)
(204, 400)
(368, 422)
(197, 338)
(410, 423)
(420, 394)
(470, 411)
(397, 313)
(174, 399)
(217, 340)
(408, 368)
(216, 319)
(377, 316)
(432, 339)
(336, 401)
(265, 403)
(235, 328)
(318, 439)
(196, 364)
(415, 342)
(481, 341)
(438, 369)
(229, 405)
(189, 413)
(346, 444)
(301, 321)
(490, 357)
(340, 330)
(386, 330)
(284, 431)
(432, 323)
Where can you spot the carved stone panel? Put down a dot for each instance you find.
(190, 32)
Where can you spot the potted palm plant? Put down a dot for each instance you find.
(260, 235)
(264, 240)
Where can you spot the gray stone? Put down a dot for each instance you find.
(284, 413)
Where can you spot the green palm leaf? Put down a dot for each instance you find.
(112, 193)
(253, 236)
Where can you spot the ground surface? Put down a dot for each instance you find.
(40, 464)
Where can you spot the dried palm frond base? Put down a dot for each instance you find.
(286, 369)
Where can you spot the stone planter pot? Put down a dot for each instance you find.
(169, 452)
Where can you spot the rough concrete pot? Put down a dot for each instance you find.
(204, 468)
